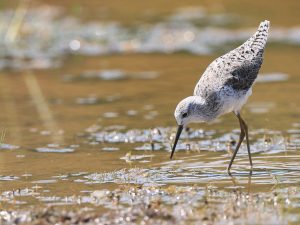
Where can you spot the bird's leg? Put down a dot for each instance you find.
(242, 136)
(247, 138)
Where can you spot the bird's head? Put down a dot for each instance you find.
(183, 113)
(187, 111)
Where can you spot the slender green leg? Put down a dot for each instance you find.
(242, 136)
(247, 140)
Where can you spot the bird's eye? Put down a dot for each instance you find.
(184, 115)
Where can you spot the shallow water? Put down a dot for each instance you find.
(87, 116)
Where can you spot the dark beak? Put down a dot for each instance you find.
(180, 127)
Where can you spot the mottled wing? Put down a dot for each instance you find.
(238, 68)
(242, 76)
(231, 70)
(247, 59)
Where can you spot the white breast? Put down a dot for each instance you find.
(233, 101)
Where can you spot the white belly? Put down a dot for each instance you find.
(233, 102)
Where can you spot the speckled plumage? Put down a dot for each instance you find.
(225, 87)
(227, 81)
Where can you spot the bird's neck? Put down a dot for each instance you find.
(198, 100)
(201, 110)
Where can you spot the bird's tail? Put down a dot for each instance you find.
(259, 39)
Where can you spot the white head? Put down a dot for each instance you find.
(190, 109)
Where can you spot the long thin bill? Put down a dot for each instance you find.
(179, 129)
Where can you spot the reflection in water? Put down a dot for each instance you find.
(108, 75)
(235, 182)
(271, 77)
(161, 138)
(55, 150)
(186, 201)
(43, 108)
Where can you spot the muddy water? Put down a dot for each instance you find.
(86, 118)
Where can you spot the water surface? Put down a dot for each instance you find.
(87, 114)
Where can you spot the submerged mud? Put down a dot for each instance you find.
(168, 205)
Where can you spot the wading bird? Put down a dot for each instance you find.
(225, 87)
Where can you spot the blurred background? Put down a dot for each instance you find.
(96, 60)
(75, 76)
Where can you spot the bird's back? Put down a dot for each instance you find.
(237, 69)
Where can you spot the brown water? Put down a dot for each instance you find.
(84, 125)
